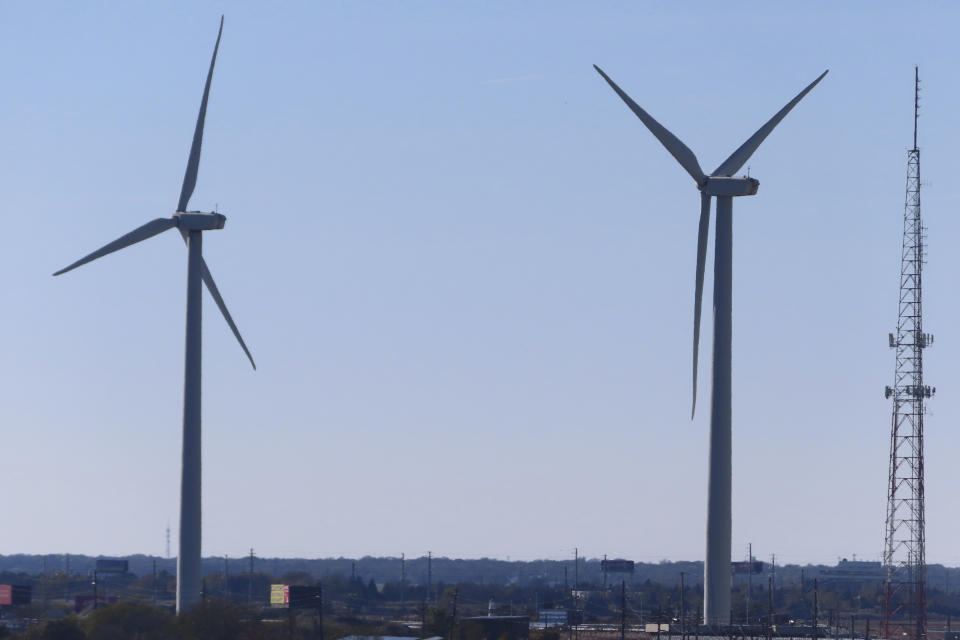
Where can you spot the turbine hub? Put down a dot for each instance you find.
(199, 221)
(726, 186)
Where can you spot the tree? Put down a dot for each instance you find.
(297, 577)
(439, 622)
(62, 629)
(129, 621)
(219, 620)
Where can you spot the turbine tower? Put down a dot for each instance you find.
(904, 554)
(722, 185)
(191, 224)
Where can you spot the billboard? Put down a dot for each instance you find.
(279, 595)
(755, 567)
(616, 566)
(107, 565)
(301, 597)
(15, 594)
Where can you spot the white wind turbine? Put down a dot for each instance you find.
(722, 185)
(191, 224)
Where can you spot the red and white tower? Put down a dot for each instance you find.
(905, 605)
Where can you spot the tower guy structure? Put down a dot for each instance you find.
(905, 604)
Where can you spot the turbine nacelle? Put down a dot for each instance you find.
(725, 186)
(199, 220)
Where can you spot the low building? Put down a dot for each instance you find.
(853, 573)
(552, 617)
(495, 628)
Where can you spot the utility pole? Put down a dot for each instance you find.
(45, 582)
(67, 597)
(453, 619)
(429, 575)
(576, 586)
(168, 541)
(904, 554)
(403, 583)
(749, 580)
(770, 608)
(603, 567)
(576, 569)
(320, 605)
(683, 597)
(816, 606)
(250, 579)
(623, 609)
(773, 568)
(423, 619)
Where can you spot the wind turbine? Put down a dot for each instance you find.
(722, 185)
(191, 224)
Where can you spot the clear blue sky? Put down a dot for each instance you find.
(465, 270)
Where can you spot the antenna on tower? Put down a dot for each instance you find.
(904, 555)
(168, 539)
(916, 103)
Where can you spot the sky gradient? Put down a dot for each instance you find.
(465, 270)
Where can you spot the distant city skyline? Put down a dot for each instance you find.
(466, 270)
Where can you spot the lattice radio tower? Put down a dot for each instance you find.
(905, 604)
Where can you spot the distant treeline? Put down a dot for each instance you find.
(585, 572)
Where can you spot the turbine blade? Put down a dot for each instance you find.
(739, 157)
(677, 149)
(212, 288)
(698, 292)
(193, 162)
(148, 230)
